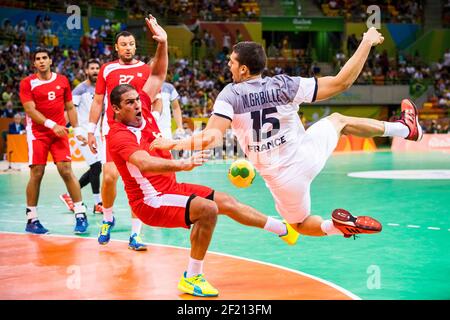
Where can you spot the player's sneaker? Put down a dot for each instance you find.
(197, 286)
(350, 225)
(291, 235)
(98, 208)
(410, 118)
(67, 201)
(35, 227)
(81, 224)
(105, 231)
(136, 243)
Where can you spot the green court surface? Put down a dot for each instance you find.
(409, 259)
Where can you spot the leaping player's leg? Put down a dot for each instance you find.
(407, 126)
(249, 216)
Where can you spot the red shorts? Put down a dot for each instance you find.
(171, 209)
(38, 148)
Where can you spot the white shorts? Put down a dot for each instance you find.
(88, 156)
(292, 195)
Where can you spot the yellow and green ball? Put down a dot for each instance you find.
(241, 173)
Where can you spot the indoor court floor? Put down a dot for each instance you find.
(409, 259)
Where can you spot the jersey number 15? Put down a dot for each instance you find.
(260, 119)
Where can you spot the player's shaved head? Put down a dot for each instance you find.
(118, 91)
(252, 55)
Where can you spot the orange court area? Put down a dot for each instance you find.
(60, 267)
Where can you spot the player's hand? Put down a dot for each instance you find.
(60, 131)
(92, 142)
(159, 34)
(373, 36)
(82, 139)
(196, 160)
(162, 143)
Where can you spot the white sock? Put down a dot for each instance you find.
(328, 227)
(275, 226)
(395, 129)
(195, 267)
(32, 214)
(97, 198)
(136, 226)
(108, 214)
(78, 207)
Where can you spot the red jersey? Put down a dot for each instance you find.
(115, 73)
(49, 97)
(123, 141)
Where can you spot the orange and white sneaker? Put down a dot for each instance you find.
(410, 118)
(350, 225)
(98, 208)
(67, 200)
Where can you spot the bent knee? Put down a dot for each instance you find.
(205, 211)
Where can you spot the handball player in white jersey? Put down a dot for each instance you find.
(83, 95)
(263, 114)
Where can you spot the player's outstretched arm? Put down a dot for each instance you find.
(208, 138)
(146, 163)
(161, 60)
(331, 86)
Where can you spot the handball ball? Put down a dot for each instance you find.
(241, 173)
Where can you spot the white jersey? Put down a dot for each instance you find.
(83, 95)
(264, 118)
(168, 94)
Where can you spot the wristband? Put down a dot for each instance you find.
(49, 123)
(158, 96)
(77, 131)
(91, 127)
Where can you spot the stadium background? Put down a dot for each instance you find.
(301, 37)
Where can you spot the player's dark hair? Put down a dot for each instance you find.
(123, 34)
(252, 55)
(40, 50)
(118, 91)
(91, 61)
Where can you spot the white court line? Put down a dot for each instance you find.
(433, 228)
(393, 224)
(412, 226)
(331, 284)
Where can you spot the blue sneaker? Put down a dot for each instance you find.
(81, 224)
(105, 231)
(35, 227)
(136, 243)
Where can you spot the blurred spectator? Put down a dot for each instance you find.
(8, 112)
(17, 126)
